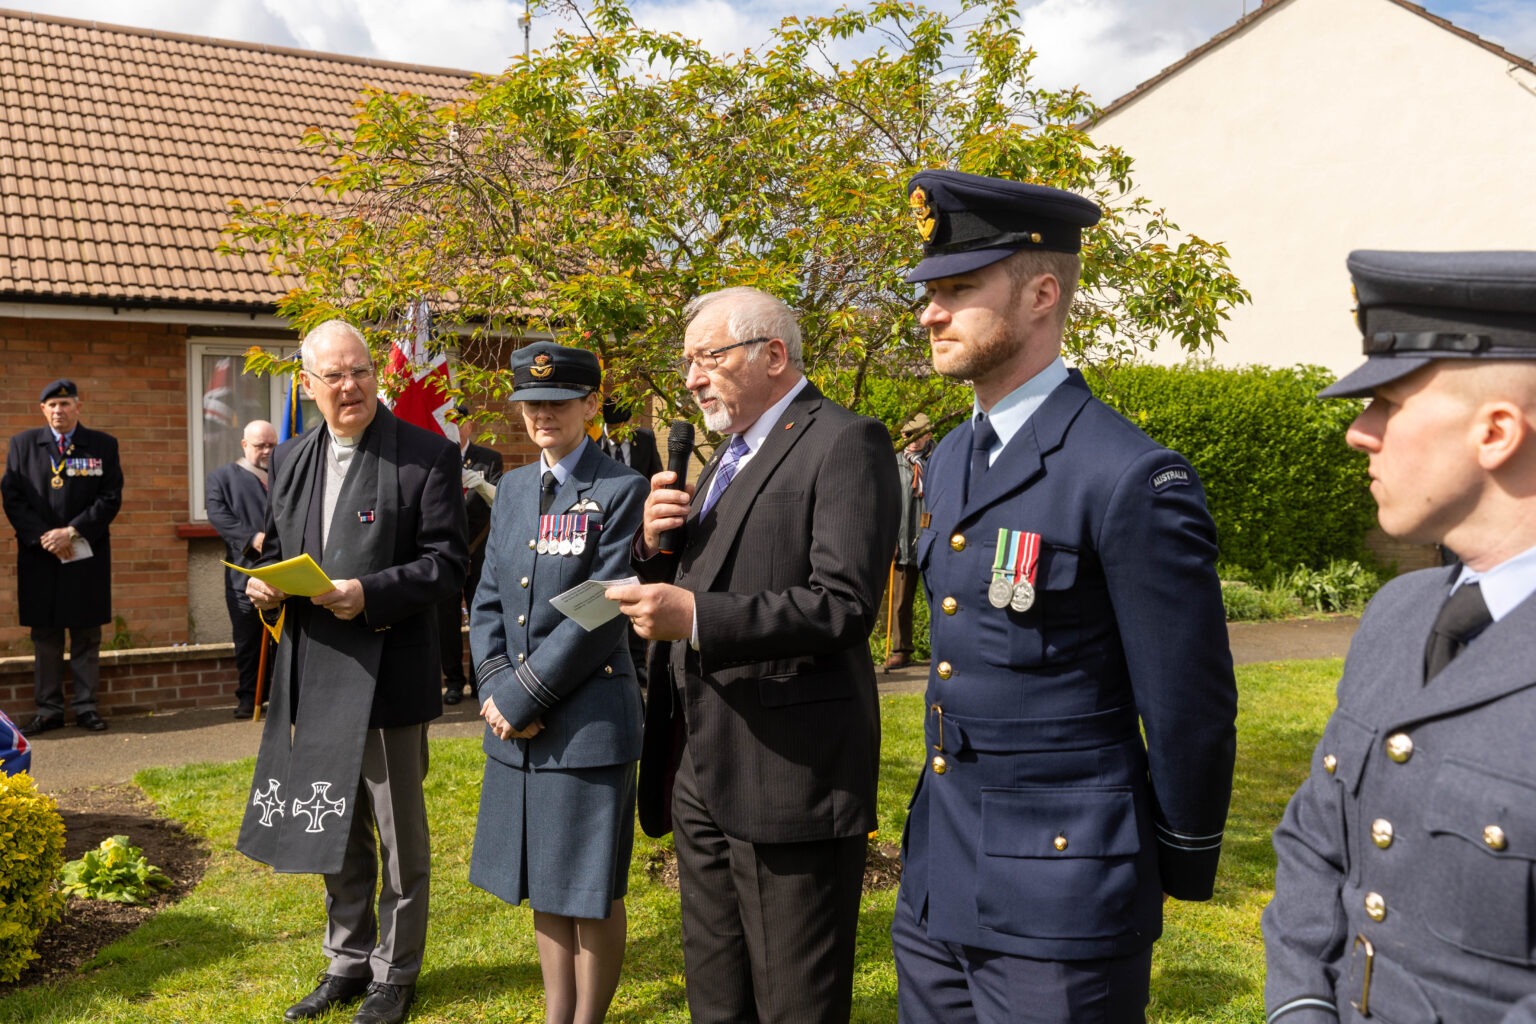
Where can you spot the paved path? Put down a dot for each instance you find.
(70, 758)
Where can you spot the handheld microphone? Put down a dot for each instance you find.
(679, 449)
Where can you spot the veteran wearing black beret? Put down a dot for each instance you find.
(1404, 884)
(1070, 564)
(62, 488)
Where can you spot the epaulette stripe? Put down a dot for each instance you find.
(1308, 1003)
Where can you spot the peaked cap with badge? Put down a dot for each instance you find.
(968, 221)
(1417, 307)
(546, 372)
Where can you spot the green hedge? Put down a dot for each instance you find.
(1283, 487)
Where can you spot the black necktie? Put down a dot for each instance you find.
(551, 485)
(983, 437)
(1463, 616)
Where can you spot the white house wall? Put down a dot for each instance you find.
(1326, 126)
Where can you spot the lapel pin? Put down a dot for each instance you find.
(365, 516)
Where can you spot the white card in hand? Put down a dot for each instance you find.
(586, 604)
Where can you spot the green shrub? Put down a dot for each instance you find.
(1342, 586)
(31, 850)
(1247, 603)
(116, 871)
(1283, 487)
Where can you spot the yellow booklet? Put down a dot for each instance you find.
(299, 575)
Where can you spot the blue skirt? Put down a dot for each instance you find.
(559, 838)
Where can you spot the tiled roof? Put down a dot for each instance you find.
(121, 148)
(1268, 7)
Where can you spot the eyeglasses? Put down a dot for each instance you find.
(261, 447)
(334, 379)
(710, 359)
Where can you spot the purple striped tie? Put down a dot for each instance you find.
(723, 476)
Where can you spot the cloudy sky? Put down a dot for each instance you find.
(1106, 46)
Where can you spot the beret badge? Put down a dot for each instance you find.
(927, 223)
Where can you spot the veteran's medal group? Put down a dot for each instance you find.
(1079, 715)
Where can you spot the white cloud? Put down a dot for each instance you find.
(1106, 46)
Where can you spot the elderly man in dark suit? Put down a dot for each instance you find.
(236, 496)
(482, 469)
(762, 729)
(1403, 884)
(377, 503)
(62, 488)
(1079, 735)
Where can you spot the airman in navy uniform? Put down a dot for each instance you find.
(1404, 888)
(63, 486)
(1069, 561)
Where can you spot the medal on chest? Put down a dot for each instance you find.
(1014, 570)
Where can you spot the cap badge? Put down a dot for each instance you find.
(927, 223)
(542, 366)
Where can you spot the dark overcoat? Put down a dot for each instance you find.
(787, 569)
(531, 659)
(1410, 849)
(398, 528)
(1043, 825)
(54, 594)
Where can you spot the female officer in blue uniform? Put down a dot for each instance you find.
(561, 704)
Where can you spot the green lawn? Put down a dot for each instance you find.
(246, 943)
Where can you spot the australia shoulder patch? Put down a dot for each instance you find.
(1172, 476)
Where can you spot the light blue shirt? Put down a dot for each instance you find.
(566, 466)
(1506, 585)
(1014, 409)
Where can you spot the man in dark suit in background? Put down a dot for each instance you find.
(62, 488)
(1071, 566)
(377, 503)
(762, 728)
(635, 447)
(1403, 884)
(481, 473)
(236, 496)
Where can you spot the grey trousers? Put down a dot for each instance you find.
(48, 668)
(384, 944)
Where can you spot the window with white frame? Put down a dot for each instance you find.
(222, 398)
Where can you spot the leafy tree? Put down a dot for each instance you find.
(590, 191)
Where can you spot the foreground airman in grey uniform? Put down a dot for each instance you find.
(1404, 886)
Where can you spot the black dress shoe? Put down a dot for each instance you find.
(92, 721)
(331, 990)
(246, 711)
(42, 723)
(385, 1004)
(453, 695)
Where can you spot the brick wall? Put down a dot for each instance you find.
(133, 385)
(148, 679)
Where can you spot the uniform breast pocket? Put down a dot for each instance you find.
(1478, 865)
(1058, 863)
(1050, 628)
